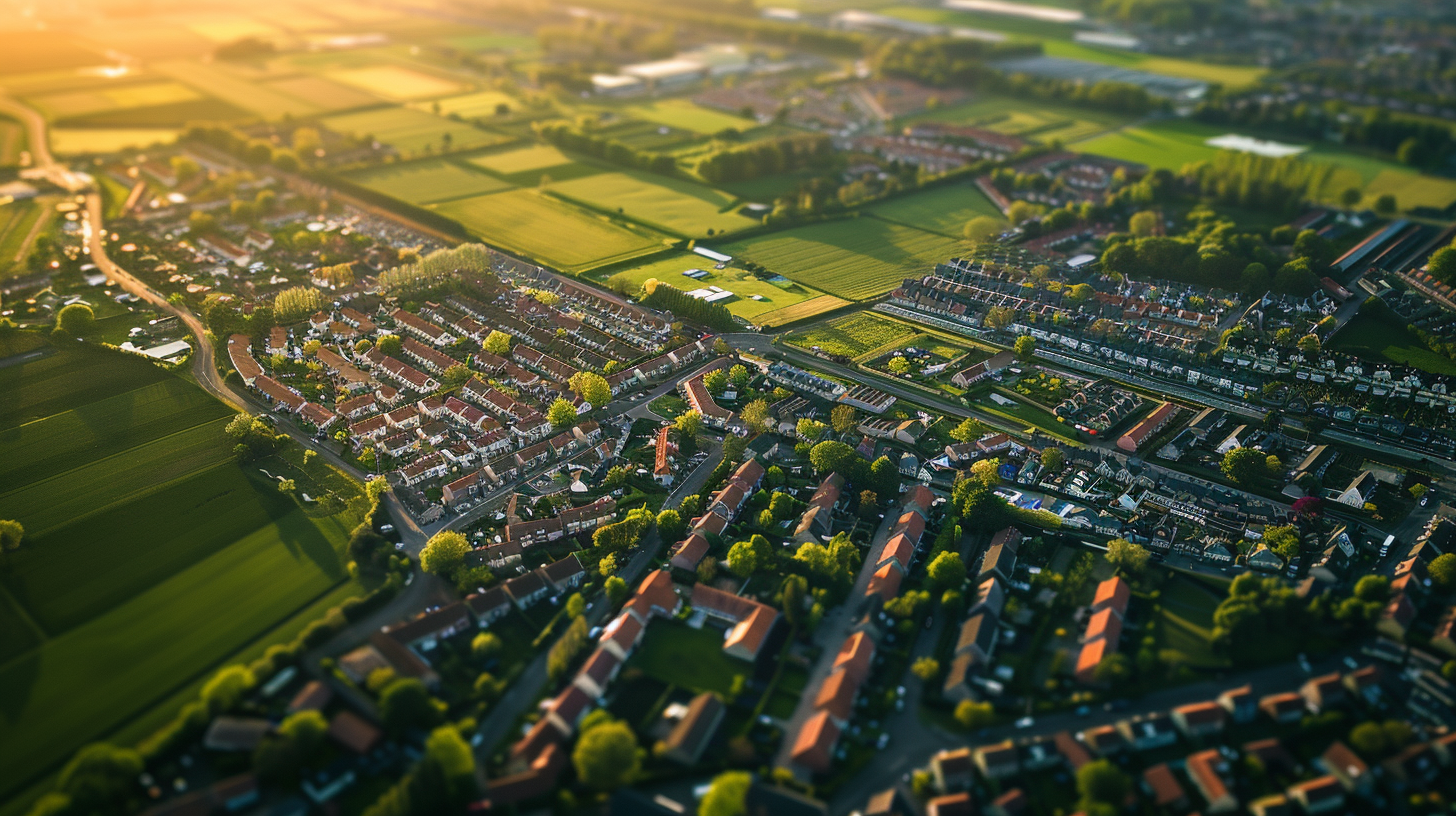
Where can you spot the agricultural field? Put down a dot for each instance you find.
(853, 335)
(1379, 340)
(685, 115)
(12, 142)
(1412, 190)
(20, 222)
(109, 97)
(855, 259)
(396, 83)
(1232, 77)
(190, 555)
(776, 298)
(1168, 144)
(1034, 121)
(25, 52)
(428, 181)
(536, 158)
(217, 81)
(475, 105)
(324, 94)
(942, 209)
(551, 231)
(76, 141)
(412, 131)
(680, 207)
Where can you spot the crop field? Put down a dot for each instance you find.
(410, 131)
(554, 232)
(428, 181)
(1232, 77)
(543, 158)
(1160, 145)
(1412, 189)
(652, 136)
(803, 310)
(18, 227)
(217, 81)
(1036, 121)
(855, 259)
(12, 141)
(151, 554)
(228, 28)
(25, 52)
(942, 209)
(323, 94)
(853, 335)
(681, 207)
(775, 297)
(107, 98)
(147, 38)
(479, 104)
(396, 83)
(72, 141)
(683, 114)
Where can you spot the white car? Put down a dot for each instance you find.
(1025, 722)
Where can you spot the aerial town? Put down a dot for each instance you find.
(828, 407)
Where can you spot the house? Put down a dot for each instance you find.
(689, 553)
(1285, 707)
(489, 606)
(953, 770)
(836, 696)
(425, 631)
(997, 761)
(565, 574)
(978, 637)
(314, 696)
(1272, 753)
(1364, 682)
(999, 562)
(1206, 770)
(855, 655)
(1072, 752)
(1273, 805)
(1147, 733)
(1415, 766)
(952, 804)
(750, 621)
(813, 746)
(657, 595)
(1090, 657)
(1163, 788)
(688, 739)
(1320, 795)
(352, 732)
(526, 590)
(967, 377)
(1347, 766)
(1148, 428)
(1322, 693)
(1113, 594)
(621, 636)
(1104, 740)
(1360, 490)
(1198, 720)
(1240, 703)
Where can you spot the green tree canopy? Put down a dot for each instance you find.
(607, 756)
(76, 319)
(444, 553)
(727, 795)
(406, 704)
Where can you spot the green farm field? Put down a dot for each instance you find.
(79, 140)
(324, 94)
(12, 142)
(855, 259)
(18, 221)
(1035, 121)
(684, 114)
(428, 181)
(396, 83)
(775, 297)
(1380, 340)
(536, 158)
(680, 207)
(481, 103)
(853, 335)
(216, 80)
(942, 209)
(151, 554)
(410, 131)
(552, 231)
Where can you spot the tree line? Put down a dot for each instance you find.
(666, 297)
(765, 157)
(570, 137)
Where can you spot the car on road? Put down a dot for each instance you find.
(1304, 664)
(1083, 711)
(1351, 663)
(1025, 722)
(882, 742)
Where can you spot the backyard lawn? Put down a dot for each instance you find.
(1377, 339)
(676, 653)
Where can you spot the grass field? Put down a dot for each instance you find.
(1168, 144)
(479, 104)
(855, 259)
(852, 335)
(942, 209)
(72, 141)
(542, 158)
(682, 113)
(1185, 628)
(25, 52)
(677, 654)
(18, 226)
(1378, 340)
(112, 97)
(151, 553)
(396, 83)
(411, 131)
(428, 181)
(554, 232)
(12, 142)
(776, 297)
(1036, 121)
(214, 80)
(1232, 77)
(1412, 189)
(321, 93)
(681, 207)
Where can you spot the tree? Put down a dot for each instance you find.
(946, 571)
(606, 757)
(972, 715)
(615, 588)
(1102, 782)
(406, 704)
(1309, 344)
(810, 429)
(591, 387)
(738, 377)
(926, 668)
(444, 553)
(1244, 466)
(617, 476)
(296, 303)
(1442, 570)
(1283, 540)
(456, 375)
(1126, 556)
(670, 525)
(389, 344)
(1142, 224)
(869, 502)
(76, 319)
(968, 431)
(1053, 459)
(898, 365)
(100, 778)
(727, 795)
(1418, 491)
(561, 413)
(982, 228)
(756, 416)
(287, 486)
(1025, 348)
(1442, 265)
(485, 645)
(575, 605)
(226, 688)
(689, 424)
(843, 418)
(715, 381)
(1113, 670)
(11, 533)
(985, 472)
(497, 343)
(1386, 205)
(744, 559)
(831, 456)
(999, 317)
(1351, 196)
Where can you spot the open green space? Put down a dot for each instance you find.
(324, 94)
(75, 141)
(1377, 339)
(680, 655)
(413, 131)
(474, 105)
(12, 142)
(944, 209)
(552, 231)
(681, 207)
(1029, 119)
(151, 553)
(18, 221)
(773, 297)
(1412, 190)
(856, 259)
(215, 80)
(431, 180)
(1167, 144)
(536, 158)
(1184, 626)
(852, 335)
(396, 82)
(684, 114)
